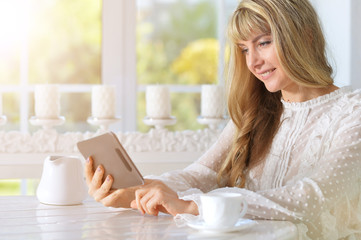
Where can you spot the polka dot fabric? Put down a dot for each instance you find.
(311, 176)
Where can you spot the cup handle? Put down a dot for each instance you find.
(244, 208)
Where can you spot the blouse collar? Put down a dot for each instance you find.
(316, 101)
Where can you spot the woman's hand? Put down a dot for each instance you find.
(103, 192)
(152, 197)
(156, 197)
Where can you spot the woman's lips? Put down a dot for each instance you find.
(265, 75)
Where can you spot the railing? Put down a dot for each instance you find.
(159, 150)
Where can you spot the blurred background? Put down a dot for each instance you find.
(60, 42)
(63, 42)
(131, 44)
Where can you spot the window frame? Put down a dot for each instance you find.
(221, 27)
(118, 64)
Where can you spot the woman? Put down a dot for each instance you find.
(293, 146)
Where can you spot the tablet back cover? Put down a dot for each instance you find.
(106, 149)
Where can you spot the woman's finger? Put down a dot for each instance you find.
(118, 198)
(138, 196)
(112, 198)
(144, 201)
(133, 204)
(149, 199)
(97, 179)
(103, 191)
(88, 170)
(152, 205)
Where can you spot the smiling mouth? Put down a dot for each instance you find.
(265, 74)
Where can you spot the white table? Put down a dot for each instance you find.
(23, 217)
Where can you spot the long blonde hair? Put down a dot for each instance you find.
(256, 112)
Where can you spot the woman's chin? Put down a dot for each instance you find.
(272, 88)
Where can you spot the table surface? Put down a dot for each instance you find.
(23, 217)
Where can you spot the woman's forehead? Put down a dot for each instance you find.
(245, 23)
(253, 37)
(246, 33)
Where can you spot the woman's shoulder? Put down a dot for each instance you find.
(347, 107)
(349, 100)
(351, 92)
(345, 97)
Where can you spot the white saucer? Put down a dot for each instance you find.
(241, 224)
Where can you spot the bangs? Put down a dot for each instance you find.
(244, 23)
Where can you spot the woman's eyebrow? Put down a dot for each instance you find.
(255, 39)
(259, 36)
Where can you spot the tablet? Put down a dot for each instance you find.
(106, 149)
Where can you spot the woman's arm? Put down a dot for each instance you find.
(152, 197)
(326, 200)
(200, 175)
(157, 197)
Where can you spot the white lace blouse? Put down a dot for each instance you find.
(312, 175)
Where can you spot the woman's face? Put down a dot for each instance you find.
(262, 61)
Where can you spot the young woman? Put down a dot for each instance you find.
(293, 145)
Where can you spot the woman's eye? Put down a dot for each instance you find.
(264, 43)
(243, 48)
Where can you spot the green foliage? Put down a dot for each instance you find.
(185, 108)
(163, 34)
(182, 22)
(66, 47)
(198, 62)
(152, 62)
(176, 44)
(9, 187)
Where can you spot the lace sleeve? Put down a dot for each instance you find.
(202, 174)
(327, 201)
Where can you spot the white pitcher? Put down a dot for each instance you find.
(62, 181)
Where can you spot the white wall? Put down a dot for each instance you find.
(356, 43)
(341, 21)
(336, 22)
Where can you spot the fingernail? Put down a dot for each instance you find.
(87, 160)
(108, 178)
(99, 169)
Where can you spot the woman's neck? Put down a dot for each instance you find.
(302, 94)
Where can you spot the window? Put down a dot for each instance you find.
(76, 43)
(179, 43)
(44, 41)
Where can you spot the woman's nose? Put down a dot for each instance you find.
(254, 60)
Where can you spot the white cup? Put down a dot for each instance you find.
(222, 209)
